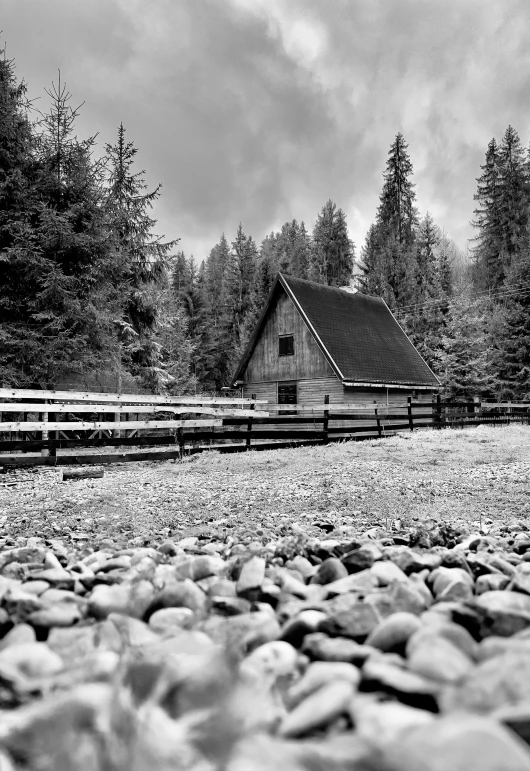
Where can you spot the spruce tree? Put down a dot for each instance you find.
(141, 263)
(332, 250)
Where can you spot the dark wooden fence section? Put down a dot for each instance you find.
(46, 422)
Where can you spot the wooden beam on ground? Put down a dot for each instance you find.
(85, 474)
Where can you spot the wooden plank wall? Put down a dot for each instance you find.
(308, 361)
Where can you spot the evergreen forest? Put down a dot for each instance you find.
(86, 284)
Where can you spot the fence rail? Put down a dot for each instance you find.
(35, 421)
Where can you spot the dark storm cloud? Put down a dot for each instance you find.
(259, 110)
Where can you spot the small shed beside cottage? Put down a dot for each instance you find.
(313, 341)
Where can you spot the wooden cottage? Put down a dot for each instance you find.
(314, 341)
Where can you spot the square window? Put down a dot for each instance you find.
(287, 393)
(286, 345)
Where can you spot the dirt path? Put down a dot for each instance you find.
(451, 475)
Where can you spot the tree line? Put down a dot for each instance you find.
(86, 285)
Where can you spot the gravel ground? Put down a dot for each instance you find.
(475, 475)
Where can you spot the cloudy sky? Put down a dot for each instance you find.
(260, 110)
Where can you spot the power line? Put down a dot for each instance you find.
(403, 310)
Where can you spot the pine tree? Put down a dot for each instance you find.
(389, 250)
(141, 263)
(332, 252)
(513, 198)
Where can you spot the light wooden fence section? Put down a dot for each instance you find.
(40, 421)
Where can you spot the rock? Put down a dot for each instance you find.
(362, 583)
(197, 568)
(318, 709)
(296, 628)
(409, 687)
(386, 572)
(455, 591)
(171, 621)
(494, 683)
(222, 587)
(132, 600)
(56, 577)
(328, 571)
(502, 613)
(498, 646)
(400, 596)
(58, 615)
(455, 633)
(358, 559)
(318, 674)
(242, 633)
(355, 620)
(392, 633)
(74, 645)
(31, 659)
(302, 565)
(434, 656)
(35, 587)
(491, 582)
(381, 722)
(179, 594)
(320, 647)
(270, 661)
(457, 743)
(21, 634)
(411, 561)
(251, 576)
(442, 578)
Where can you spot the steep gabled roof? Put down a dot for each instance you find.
(357, 333)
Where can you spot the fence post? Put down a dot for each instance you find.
(180, 439)
(326, 420)
(116, 431)
(44, 434)
(378, 421)
(249, 424)
(409, 411)
(476, 407)
(438, 411)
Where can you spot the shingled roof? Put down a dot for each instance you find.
(357, 334)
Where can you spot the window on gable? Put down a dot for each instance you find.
(286, 345)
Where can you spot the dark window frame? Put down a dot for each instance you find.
(290, 384)
(285, 345)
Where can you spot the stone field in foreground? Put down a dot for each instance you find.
(378, 650)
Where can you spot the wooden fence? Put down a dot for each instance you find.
(35, 421)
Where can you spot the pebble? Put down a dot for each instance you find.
(318, 709)
(392, 633)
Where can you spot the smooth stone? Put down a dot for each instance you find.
(171, 620)
(21, 634)
(434, 656)
(31, 659)
(60, 614)
(251, 576)
(381, 722)
(35, 587)
(296, 628)
(491, 582)
(455, 633)
(133, 632)
(502, 613)
(133, 599)
(222, 587)
(493, 683)
(73, 644)
(358, 559)
(319, 709)
(320, 647)
(356, 621)
(498, 646)
(230, 606)
(197, 568)
(516, 717)
(57, 577)
(457, 590)
(410, 561)
(382, 675)
(242, 633)
(328, 571)
(318, 674)
(458, 743)
(441, 578)
(392, 633)
(400, 596)
(302, 565)
(362, 582)
(386, 572)
(179, 594)
(270, 661)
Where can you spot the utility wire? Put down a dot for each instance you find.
(403, 310)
